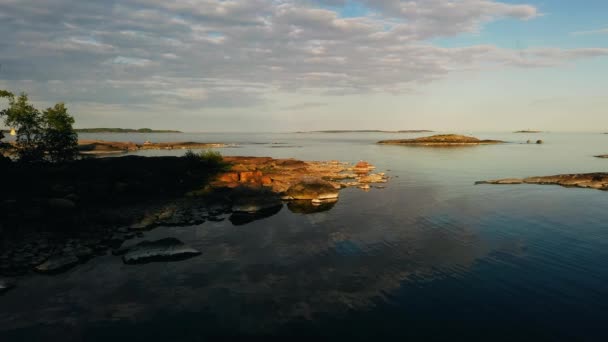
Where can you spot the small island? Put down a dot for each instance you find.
(528, 131)
(441, 140)
(123, 130)
(369, 131)
(111, 147)
(596, 180)
(602, 156)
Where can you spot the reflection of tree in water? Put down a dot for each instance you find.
(274, 271)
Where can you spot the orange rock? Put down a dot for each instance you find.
(229, 177)
(266, 180)
(362, 165)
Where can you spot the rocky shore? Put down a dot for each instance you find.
(72, 213)
(111, 147)
(441, 140)
(597, 180)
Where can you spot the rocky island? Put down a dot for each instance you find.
(111, 147)
(371, 131)
(56, 217)
(528, 131)
(441, 140)
(602, 156)
(596, 180)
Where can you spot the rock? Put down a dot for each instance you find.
(310, 207)
(146, 223)
(502, 181)
(442, 140)
(373, 178)
(539, 141)
(245, 200)
(229, 177)
(597, 180)
(312, 189)
(167, 249)
(57, 264)
(6, 284)
(62, 204)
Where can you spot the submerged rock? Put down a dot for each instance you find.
(441, 140)
(57, 264)
(167, 249)
(249, 200)
(314, 189)
(597, 180)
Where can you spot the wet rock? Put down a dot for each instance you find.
(246, 200)
(310, 207)
(168, 249)
(241, 218)
(597, 180)
(6, 284)
(57, 264)
(312, 189)
(61, 204)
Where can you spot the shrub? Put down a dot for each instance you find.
(207, 158)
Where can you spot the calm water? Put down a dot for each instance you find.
(431, 255)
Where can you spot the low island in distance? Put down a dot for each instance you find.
(441, 140)
(124, 130)
(528, 131)
(368, 131)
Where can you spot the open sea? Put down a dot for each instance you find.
(431, 256)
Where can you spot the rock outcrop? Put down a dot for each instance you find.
(441, 140)
(598, 180)
(312, 189)
(168, 249)
(58, 264)
(6, 284)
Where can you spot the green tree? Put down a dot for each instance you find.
(27, 121)
(47, 135)
(60, 139)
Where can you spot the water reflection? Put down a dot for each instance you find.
(254, 275)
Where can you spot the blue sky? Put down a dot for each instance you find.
(267, 65)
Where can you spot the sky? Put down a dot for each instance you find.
(292, 65)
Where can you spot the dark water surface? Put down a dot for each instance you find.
(430, 256)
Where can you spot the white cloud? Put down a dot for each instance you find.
(213, 53)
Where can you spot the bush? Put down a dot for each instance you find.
(207, 158)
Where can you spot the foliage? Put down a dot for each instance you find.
(40, 136)
(61, 142)
(208, 158)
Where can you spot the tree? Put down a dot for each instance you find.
(47, 135)
(60, 139)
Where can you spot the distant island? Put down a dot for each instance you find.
(441, 140)
(124, 130)
(369, 131)
(528, 131)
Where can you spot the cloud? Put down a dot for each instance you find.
(590, 32)
(211, 53)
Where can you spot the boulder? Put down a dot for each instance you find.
(248, 200)
(312, 189)
(57, 264)
(167, 249)
(6, 284)
(62, 204)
